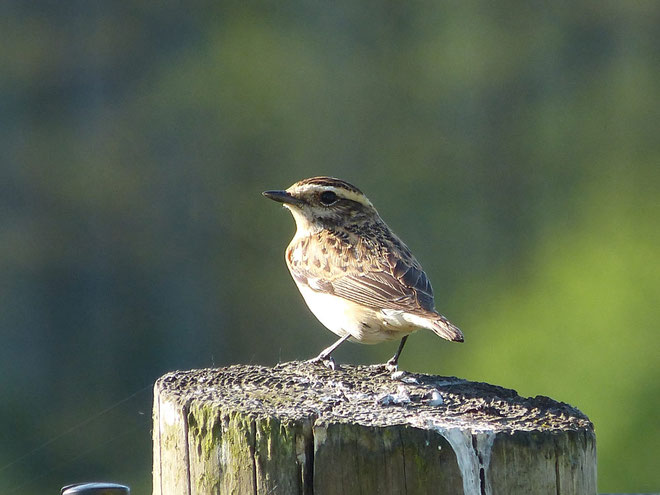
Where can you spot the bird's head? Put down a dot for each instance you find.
(325, 202)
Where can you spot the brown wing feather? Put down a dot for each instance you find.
(382, 290)
(387, 278)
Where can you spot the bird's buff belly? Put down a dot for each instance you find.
(365, 325)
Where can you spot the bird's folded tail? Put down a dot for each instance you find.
(442, 327)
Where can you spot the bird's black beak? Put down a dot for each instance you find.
(283, 197)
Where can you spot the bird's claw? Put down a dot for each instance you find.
(392, 365)
(327, 361)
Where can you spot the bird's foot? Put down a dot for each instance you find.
(327, 361)
(392, 365)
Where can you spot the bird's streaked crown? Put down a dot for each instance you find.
(316, 185)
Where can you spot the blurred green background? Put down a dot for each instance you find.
(514, 146)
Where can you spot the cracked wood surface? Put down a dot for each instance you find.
(299, 428)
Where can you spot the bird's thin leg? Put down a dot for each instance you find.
(325, 358)
(393, 363)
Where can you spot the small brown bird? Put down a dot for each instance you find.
(357, 277)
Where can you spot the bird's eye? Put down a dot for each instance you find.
(328, 197)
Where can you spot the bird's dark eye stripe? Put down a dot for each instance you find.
(328, 197)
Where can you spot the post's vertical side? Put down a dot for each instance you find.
(576, 463)
(171, 462)
(352, 458)
(563, 463)
(156, 470)
(222, 446)
(282, 456)
(204, 447)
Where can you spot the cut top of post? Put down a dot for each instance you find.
(371, 396)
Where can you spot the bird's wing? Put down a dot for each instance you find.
(386, 281)
(402, 287)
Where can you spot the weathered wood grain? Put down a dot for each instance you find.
(300, 428)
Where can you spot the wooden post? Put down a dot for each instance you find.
(300, 428)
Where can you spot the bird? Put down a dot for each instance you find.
(356, 276)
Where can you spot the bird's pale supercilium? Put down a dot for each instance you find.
(357, 277)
